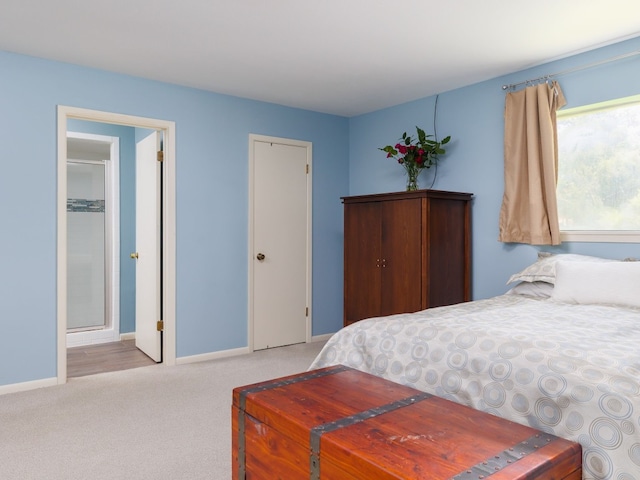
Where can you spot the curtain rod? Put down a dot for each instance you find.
(564, 72)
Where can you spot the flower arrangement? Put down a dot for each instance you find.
(415, 154)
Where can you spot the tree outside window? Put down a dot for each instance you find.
(599, 167)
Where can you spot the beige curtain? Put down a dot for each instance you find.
(529, 212)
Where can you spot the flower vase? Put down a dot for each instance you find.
(412, 181)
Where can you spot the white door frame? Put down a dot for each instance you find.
(111, 331)
(253, 138)
(168, 233)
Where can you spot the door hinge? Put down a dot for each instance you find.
(160, 325)
(307, 312)
(160, 156)
(307, 168)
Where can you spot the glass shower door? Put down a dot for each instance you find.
(86, 299)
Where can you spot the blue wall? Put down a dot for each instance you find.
(212, 204)
(212, 176)
(474, 161)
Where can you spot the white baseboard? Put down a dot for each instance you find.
(92, 337)
(50, 382)
(24, 386)
(321, 338)
(233, 352)
(212, 356)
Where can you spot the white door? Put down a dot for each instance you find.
(148, 234)
(280, 244)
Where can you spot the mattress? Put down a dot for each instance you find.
(566, 369)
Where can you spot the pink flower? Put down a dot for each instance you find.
(402, 149)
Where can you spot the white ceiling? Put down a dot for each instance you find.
(344, 57)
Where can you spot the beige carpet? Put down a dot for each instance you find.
(152, 422)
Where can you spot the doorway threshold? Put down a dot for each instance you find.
(106, 357)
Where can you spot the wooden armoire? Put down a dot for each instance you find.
(405, 252)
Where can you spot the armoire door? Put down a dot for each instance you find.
(402, 256)
(363, 261)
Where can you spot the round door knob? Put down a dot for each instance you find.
(260, 256)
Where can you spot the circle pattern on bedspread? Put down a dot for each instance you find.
(466, 339)
(520, 404)
(388, 343)
(413, 372)
(562, 366)
(428, 333)
(605, 433)
(625, 476)
(552, 385)
(635, 454)
(380, 364)
(457, 360)
(396, 368)
(494, 395)
(431, 377)
(509, 350)
(478, 365)
(581, 393)
(451, 382)
(419, 351)
(437, 354)
(524, 376)
(615, 406)
(355, 358)
(624, 386)
(574, 421)
(566, 382)
(548, 412)
(592, 375)
(359, 339)
(597, 463)
(500, 370)
(534, 356)
(627, 427)
(487, 345)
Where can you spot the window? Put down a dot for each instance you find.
(599, 171)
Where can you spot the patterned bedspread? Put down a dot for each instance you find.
(570, 370)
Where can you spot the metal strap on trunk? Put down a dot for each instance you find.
(511, 455)
(318, 431)
(268, 386)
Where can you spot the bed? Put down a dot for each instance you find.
(559, 352)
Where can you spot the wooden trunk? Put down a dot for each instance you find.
(340, 423)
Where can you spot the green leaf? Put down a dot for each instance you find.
(445, 140)
(389, 149)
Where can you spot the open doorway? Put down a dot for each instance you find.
(93, 238)
(158, 325)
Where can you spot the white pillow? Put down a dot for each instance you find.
(616, 283)
(544, 269)
(532, 289)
